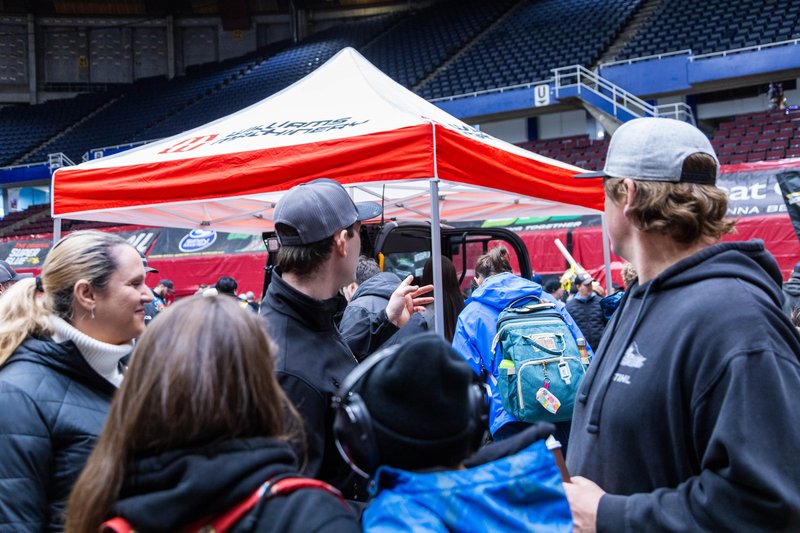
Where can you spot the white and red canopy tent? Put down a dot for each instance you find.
(346, 121)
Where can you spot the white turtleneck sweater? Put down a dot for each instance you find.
(102, 357)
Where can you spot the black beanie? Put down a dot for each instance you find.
(418, 400)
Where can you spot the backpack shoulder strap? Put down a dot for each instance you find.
(290, 484)
(268, 490)
(224, 522)
(116, 525)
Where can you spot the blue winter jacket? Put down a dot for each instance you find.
(477, 326)
(522, 492)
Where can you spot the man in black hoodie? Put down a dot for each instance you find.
(686, 420)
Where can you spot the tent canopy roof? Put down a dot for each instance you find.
(347, 121)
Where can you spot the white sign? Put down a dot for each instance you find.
(541, 95)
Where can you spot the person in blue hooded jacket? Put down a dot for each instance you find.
(411, 416)
(477, 326)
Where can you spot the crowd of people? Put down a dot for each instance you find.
(335, 405)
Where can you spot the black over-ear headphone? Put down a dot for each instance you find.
(352, 425)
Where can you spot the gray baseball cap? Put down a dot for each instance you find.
(654, 149)
(318, 209)
(7, 273)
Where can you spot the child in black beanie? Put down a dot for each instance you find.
(411, 415)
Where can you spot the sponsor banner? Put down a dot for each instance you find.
(141, 239)
(162, 243)
(556, 223)
(789, 182)
(182, 242)
(753, 193)
(25, 254)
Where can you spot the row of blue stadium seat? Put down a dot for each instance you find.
(156, 108)
(688, 24)
(136, 110)
(27, 126)
(269, 76)
(524, 48)
(507, 42)
(436, 33)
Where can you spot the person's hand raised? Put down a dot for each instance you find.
(406, 300)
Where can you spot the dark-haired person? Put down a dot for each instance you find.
(160, 292)
(553, 288)
(226, 285)
(687, 419)
(453, 297)
(318, 226)
(476, 328)
(199, 424)
(60, 354)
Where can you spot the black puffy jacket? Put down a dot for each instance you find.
(590, 318)
(52, 408)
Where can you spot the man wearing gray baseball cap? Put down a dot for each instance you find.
(9, 276)
(686, 418)
(318, 227)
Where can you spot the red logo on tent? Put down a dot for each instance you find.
(188, 145)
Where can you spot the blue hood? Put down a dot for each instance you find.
(500, 290)
(521, 492)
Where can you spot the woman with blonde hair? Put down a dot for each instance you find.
(199, 426)
(62, 337)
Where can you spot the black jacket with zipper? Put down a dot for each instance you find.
(312, 360)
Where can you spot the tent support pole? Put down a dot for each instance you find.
(436, 255)
(56, 230)
(606, 253)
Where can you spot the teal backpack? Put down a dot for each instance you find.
(542, 365)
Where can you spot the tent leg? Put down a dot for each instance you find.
(56, 230)
(436, 254)
(606, 254)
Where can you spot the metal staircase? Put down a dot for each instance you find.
(610, 104)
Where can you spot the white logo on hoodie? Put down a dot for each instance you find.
(632, 357)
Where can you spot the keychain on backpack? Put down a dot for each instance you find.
(565, 372)
(547, 398)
